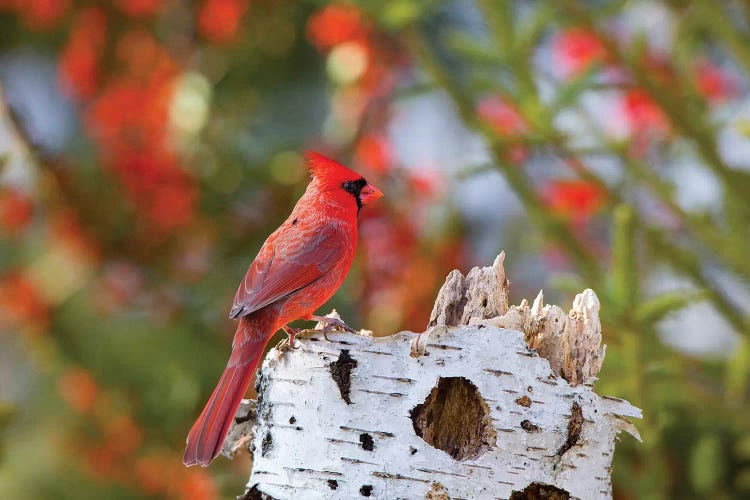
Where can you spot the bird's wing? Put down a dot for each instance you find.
(288, 261)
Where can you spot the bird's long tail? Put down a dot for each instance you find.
(207, 435)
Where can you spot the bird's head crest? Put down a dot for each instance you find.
(325, 169)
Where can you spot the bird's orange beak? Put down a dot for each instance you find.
(369, 193)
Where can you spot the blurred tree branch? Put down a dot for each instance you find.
(515, 177)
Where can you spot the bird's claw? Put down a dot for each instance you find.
(283, 347)
(332, 324)
(291, 334)
(329, 325)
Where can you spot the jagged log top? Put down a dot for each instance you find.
(570, 342)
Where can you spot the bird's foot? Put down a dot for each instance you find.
(332, 324)
(291, 333)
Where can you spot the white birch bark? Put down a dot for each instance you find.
(461, 411)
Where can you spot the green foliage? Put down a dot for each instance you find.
(655, 309)
(625, 276)
(7, 413)
(707, 464)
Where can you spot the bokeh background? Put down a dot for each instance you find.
(148, 147)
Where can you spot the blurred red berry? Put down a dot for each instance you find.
(713, 83)
(507, 122)
(198, 485)
(116, 115)
(219, 20)
(575, 200)
(79, 70)
(374, 152)
(172, 206)
(503, 117)
(162, 192)
(139, 52)
(142, 173)
(90, 25)
(130, 116)
(576, 49)
(101, 463)
(149, 475)
(21, 303)
(79, 59)
(642, 113)
(335, 24)
(79, 389)
(426, 182)
(122, 435)
(160, 473)
(16, 211)
(42, 14)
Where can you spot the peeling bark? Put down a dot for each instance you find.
(491, 401)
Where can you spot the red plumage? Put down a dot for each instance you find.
(299, 267)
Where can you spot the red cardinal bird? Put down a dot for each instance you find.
(298, 268)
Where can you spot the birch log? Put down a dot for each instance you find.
(491, 401)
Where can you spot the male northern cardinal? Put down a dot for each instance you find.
(298, 268)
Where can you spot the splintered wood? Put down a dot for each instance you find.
(491, 401)
(570, 342)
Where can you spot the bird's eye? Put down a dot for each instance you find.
(354, 187)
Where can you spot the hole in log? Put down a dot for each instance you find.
(575, 425)
(255, 494)
(455, 418)
(341, 372)
(529, 427)
(333, 484)
(539, 491)
(366, 490)
(365, 440)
